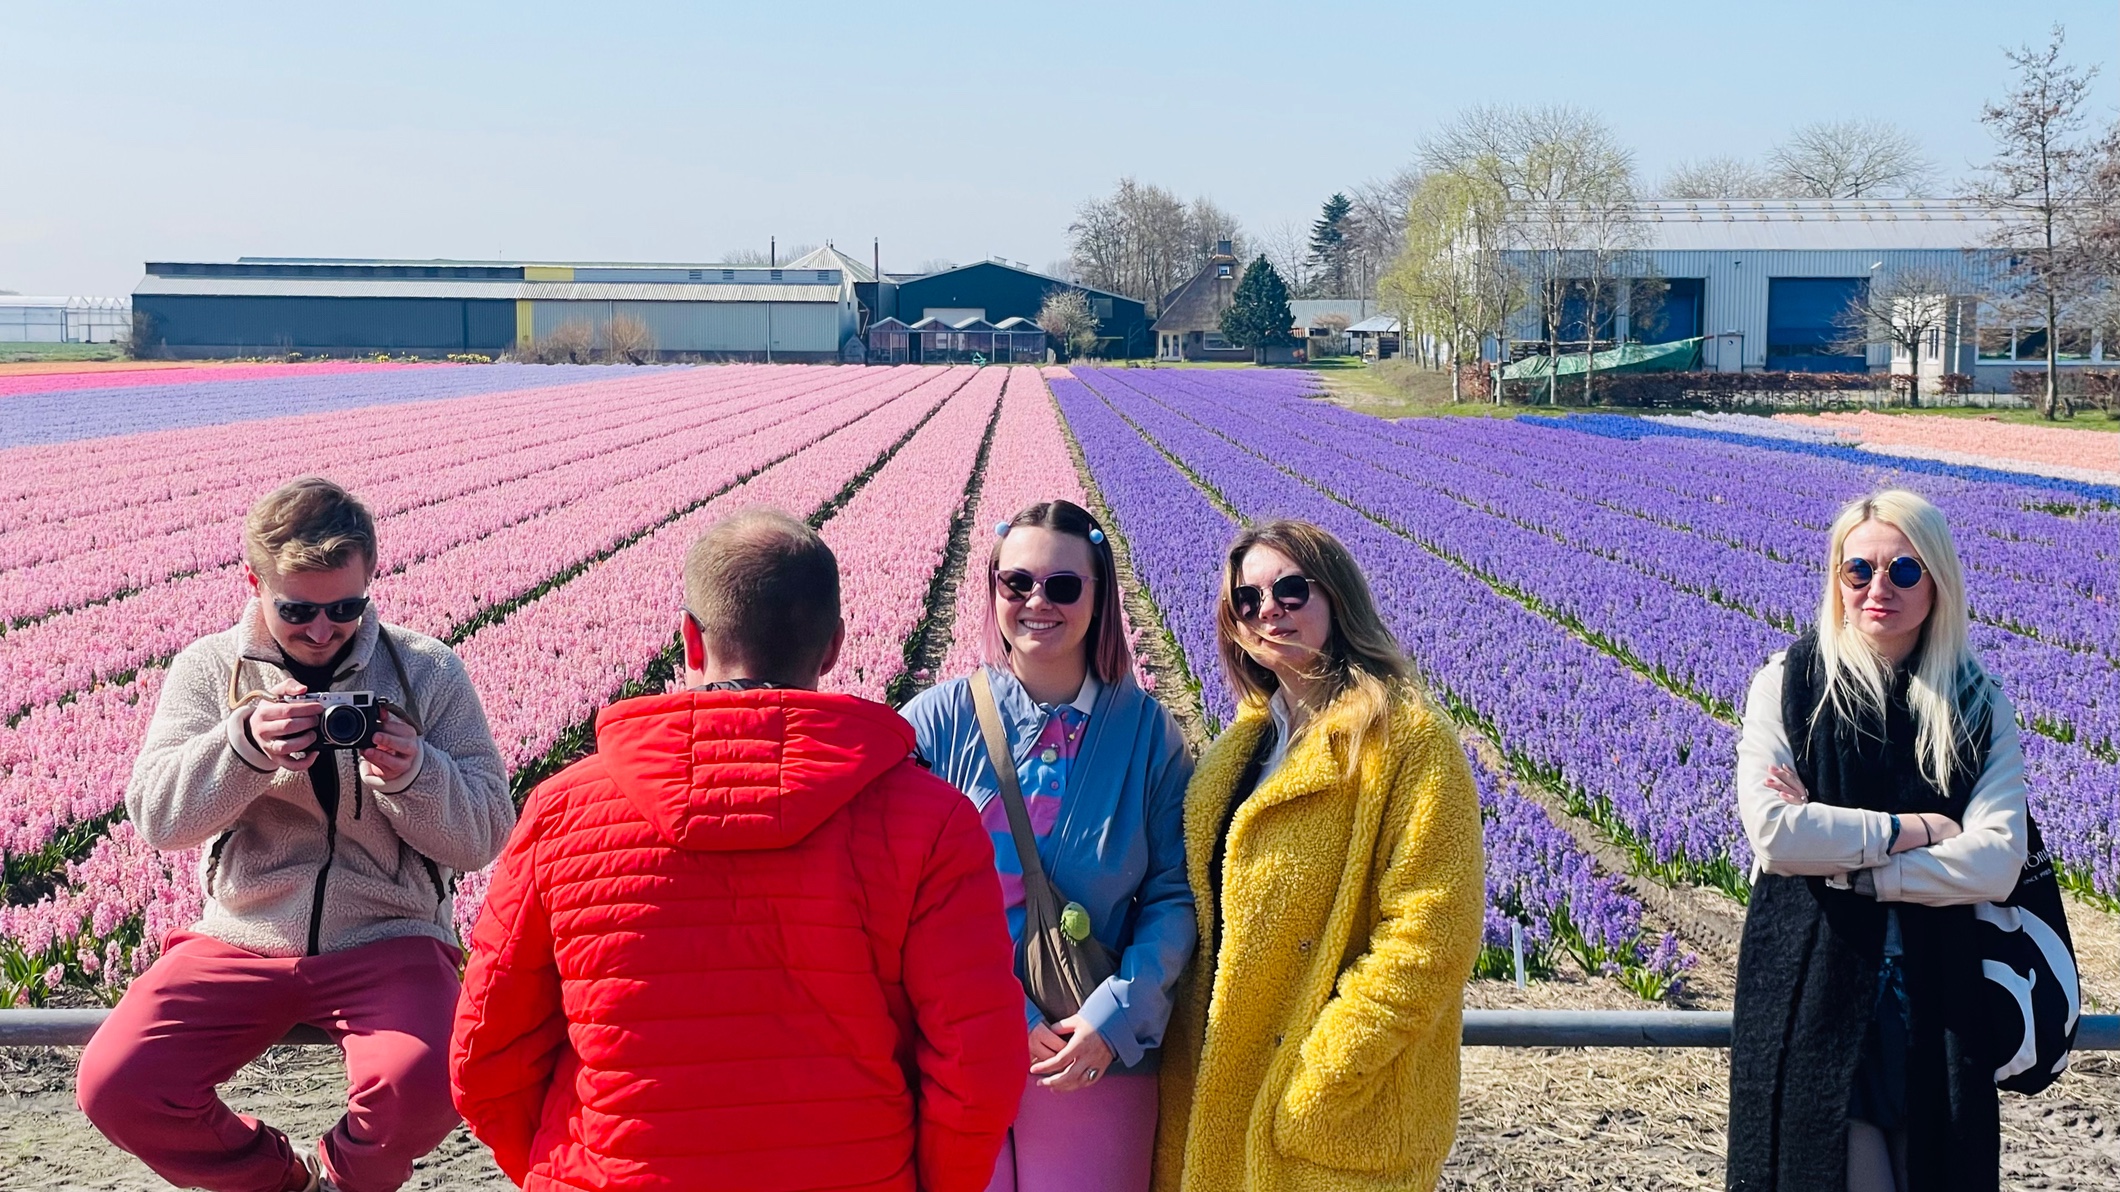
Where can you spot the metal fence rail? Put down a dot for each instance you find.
(1483, 1028)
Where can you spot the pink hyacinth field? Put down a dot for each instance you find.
(537, 529)
(1586, 595)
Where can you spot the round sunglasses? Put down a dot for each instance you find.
(1291, 592)
(1904, 572)
(1061, 587)
(338, 612)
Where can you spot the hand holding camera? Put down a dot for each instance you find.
(294, 724)
(285, 726)
(392, 746)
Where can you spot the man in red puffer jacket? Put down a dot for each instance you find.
(750, 943)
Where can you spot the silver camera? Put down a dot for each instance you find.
(350, 718)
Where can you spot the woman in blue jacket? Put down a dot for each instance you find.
(1103, 771)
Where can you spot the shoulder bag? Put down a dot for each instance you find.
(1058, 970)
(2030, 996)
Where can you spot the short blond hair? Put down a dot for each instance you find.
(309, 524)
(764, 589)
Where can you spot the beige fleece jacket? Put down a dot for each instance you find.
(200, 781)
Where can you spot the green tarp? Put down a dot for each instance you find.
(1679, 356)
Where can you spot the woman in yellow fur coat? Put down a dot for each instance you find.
(1333, 842)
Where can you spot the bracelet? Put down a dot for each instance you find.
(1928, 834)
(1894, 838)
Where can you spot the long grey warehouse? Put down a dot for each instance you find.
(270, 305)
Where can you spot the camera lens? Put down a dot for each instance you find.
(343, 724)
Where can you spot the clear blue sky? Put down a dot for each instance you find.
(636, 131)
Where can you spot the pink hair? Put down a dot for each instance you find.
(1109, 655)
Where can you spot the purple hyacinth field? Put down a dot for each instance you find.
(1593, 594)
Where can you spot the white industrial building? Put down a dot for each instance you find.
(1765, 284)
(26, 319)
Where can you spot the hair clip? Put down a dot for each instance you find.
(1000, 529)
(1096, 536)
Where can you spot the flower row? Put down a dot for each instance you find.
(1027, 462)
(892, 536)
(1649, 623)
(17, 384)
(2000, 443)
(441, 594)
(1538, 879)
(509, 526)
(172, 400)
(545, 668)
(60, 563)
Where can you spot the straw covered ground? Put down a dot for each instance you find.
(1549, 1118)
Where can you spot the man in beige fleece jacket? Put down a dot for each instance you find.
(327, 871)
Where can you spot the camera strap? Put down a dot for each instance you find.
(411, 708)
(443, 887)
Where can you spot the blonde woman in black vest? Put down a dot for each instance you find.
(1881, 785)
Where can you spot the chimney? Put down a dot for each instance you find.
(1222, 248)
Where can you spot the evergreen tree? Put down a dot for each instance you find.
(1258, 316)
(1328, 245)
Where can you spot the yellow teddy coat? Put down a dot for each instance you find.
(1317, 1046)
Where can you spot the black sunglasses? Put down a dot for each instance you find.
(1904, 572)
(1061, 587)
(338, 612)
(1291, 592)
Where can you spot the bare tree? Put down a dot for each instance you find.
(757, 258)
(1143, 241)
(1850, 159)
(628, 340)
(2104, 231)
(1137, 242)
(1910, 311)
(1068, 322)
(937, 265)
(1607, 262)
(1376, 228)
(1568, 189)
(2043, 180)
(569, 343)
(1448, 284)
(1286, 246)
(1209, 225)
(1716, 178)
(2101, 240)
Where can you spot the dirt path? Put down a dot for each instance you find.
(1610, 1118)
(1530, 1118)
(46, 1144)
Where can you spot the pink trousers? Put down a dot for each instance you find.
(207, 1008)
(1098, 1139)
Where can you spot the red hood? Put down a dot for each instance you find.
(723, 771)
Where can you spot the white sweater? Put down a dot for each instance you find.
(1816, 840)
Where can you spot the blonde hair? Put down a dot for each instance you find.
(309, 524)
(764, 589)
(1362, 666)
(1857, 677)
